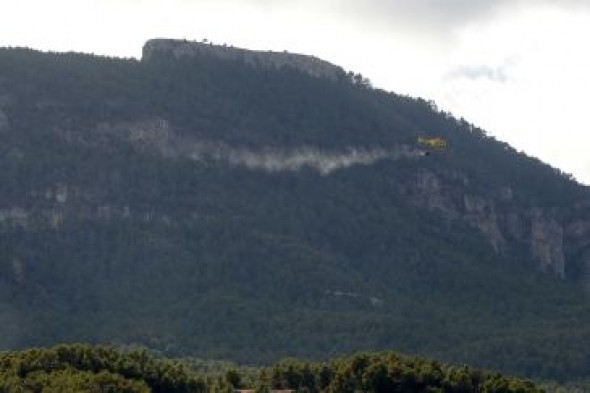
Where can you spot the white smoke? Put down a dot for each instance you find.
(156, 135)
(275, 160)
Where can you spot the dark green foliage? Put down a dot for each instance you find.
(392, 373)
(82, 368)
(202, 258)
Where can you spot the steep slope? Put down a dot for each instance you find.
(213, 205)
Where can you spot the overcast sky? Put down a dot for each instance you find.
(517, 68)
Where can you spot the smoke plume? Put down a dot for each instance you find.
(274, 160)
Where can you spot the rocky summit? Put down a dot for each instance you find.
(264, 59)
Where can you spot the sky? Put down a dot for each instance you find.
(516, 68)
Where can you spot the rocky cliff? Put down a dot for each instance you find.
(557, 238)
(267, 59)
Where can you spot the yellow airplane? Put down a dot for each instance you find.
(435, 143)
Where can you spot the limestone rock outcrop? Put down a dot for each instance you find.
(267, 59)
(558, 239)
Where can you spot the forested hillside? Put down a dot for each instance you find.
(82, 368)
(211, 207)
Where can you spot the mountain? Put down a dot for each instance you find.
(213, 201)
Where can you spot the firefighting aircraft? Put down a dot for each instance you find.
(435, 143)
(432, 143)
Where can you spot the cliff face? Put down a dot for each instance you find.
(557, 238)
(577, 241)
(267, 59)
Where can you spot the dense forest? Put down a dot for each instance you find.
(210, 208)
(83, 368)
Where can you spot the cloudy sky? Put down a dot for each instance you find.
(517, 68)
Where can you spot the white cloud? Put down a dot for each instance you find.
(474, 72)
(539, 107)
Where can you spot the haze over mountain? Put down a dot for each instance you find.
(214, 201)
